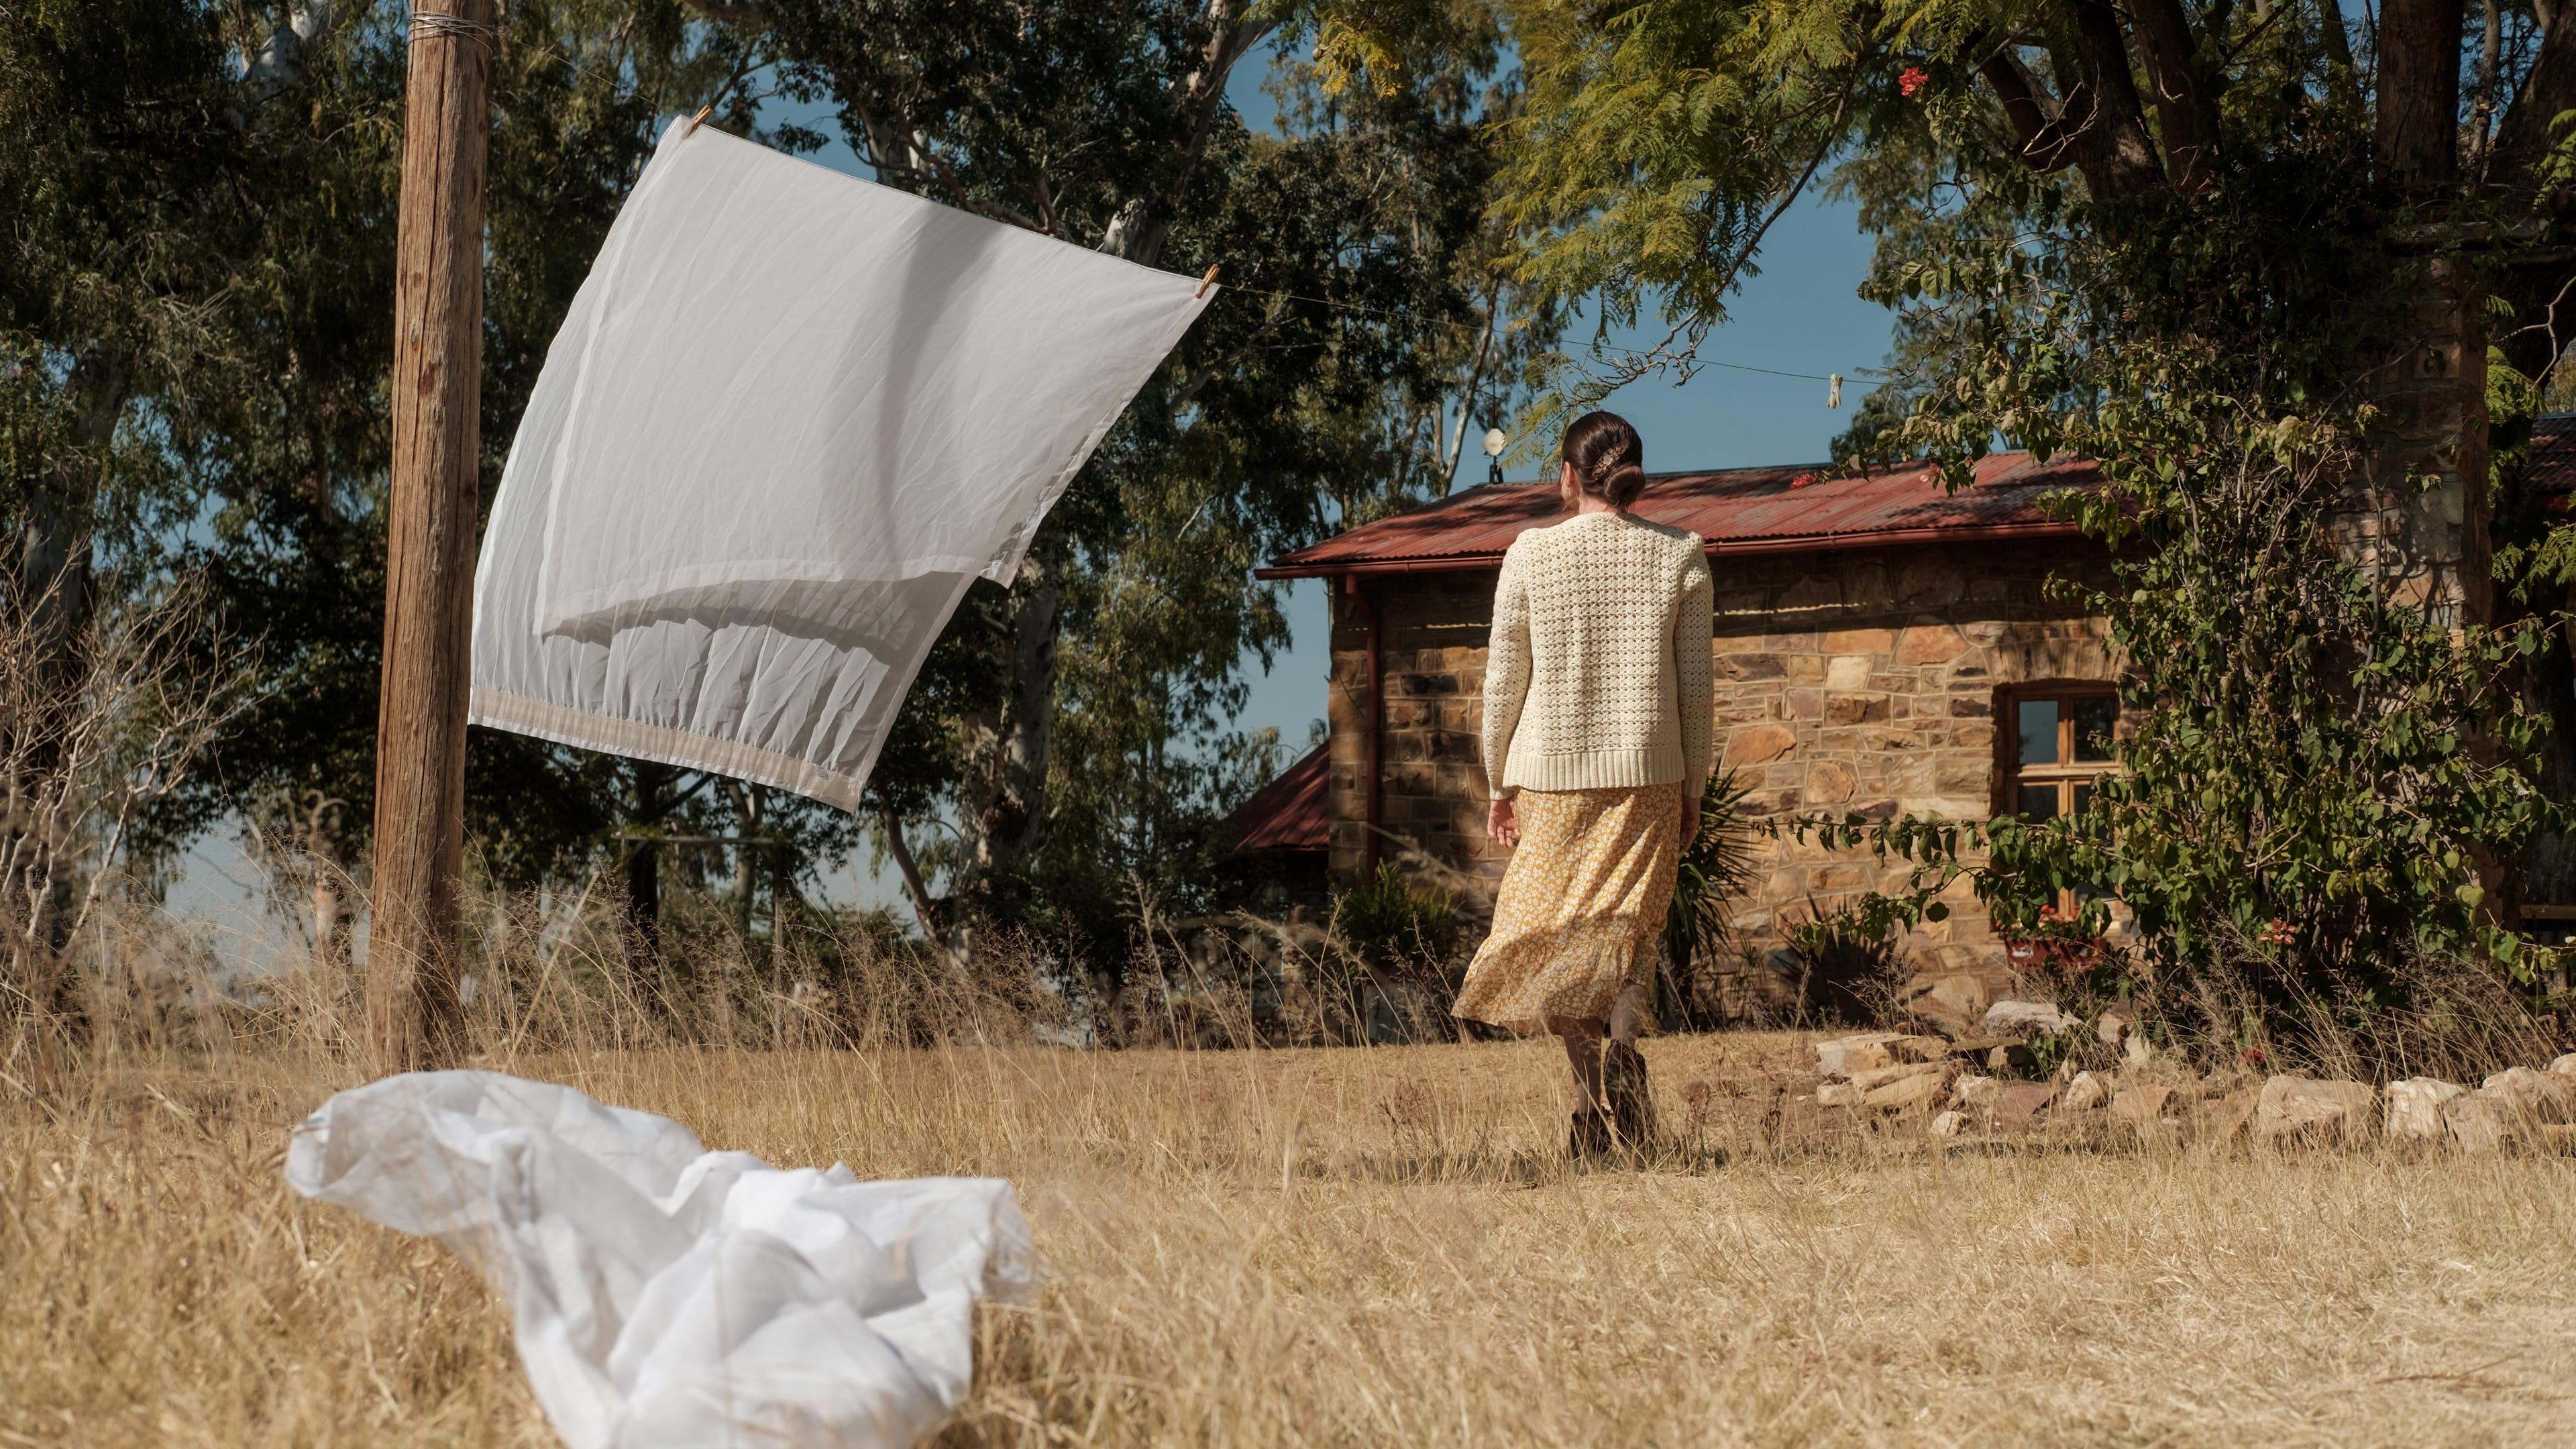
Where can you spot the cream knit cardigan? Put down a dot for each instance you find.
(1597, 675)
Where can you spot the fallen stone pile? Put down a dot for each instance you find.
(1961, 1077)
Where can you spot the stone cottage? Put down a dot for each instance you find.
(1883, 646)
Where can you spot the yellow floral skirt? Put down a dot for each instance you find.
(1581, 908)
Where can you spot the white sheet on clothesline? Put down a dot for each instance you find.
(790, 416)
(667, 1296)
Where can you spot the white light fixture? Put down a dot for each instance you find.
(1494, 444)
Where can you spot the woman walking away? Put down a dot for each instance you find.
(1596, 740)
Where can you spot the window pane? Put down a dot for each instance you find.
(2039, 802)
(2095, 721)
(2083, 797)
(2037, 723)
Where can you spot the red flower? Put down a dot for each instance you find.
(1802, 480)
(1911, 79)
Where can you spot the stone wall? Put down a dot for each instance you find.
(1850, 682)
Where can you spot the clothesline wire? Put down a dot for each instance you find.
(1855, 374)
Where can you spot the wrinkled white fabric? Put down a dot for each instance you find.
(790, 416)
(666, 1296)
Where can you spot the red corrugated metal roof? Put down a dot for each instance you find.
(2552, 469)
(1739, 510)
(1286, 814)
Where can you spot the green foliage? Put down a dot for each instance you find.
(1390, 921)
(1845, 961)
(1715, 869)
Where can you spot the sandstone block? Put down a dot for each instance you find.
(2141, 1105)
(2021, 1102)
(2018, 1018)
(1760, 744)
(2084, 1093)
(2415, 1108)
(2009, 1057)
(2112, 1026)
(1829, 782)
(1952, 1003)
(1852, 709)
(1975, 1093)
(1923, 1087)
(1837, 1094)
(2565, 1066)
(2303, 1107)
(2537, 1096)
(1948, 1124)
(1857, 641)
(1930, 644)
(1846, 1055)
(2482, 1122)
(1850, 671)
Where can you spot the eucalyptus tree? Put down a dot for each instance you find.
(1065, 743)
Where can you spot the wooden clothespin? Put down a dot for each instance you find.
(1206, 282)
(698, 120)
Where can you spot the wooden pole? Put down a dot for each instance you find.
(412, 1005)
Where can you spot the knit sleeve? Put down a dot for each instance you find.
(1507, 671)
(1694, 624)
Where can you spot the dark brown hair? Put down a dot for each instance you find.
(1609, 458)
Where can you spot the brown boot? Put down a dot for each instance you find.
(1632, 1106)
(1588, 1135)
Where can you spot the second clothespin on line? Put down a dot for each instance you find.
(1206, 282)
(698, 120)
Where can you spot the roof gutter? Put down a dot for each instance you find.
(1800, 543)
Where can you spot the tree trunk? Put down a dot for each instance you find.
(644, 867)
(56, 591)
(2113, 149)
(2418, 138)
(2185, 100)
(747, 802)
(1006, 823)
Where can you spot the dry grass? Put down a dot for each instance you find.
(1355, 1246)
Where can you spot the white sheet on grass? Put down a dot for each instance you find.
(665, 1295)
(791, 415)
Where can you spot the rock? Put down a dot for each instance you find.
(2415, 1108)
(2304, 1107)
(1845, 1055)
(2021, 1102)
(1904, 1088)
(2084, 1093)
(1837, 1094)
(2142, 1105)
(2539, 1096)
(2482, 1122)
(2021, 1018)
(2220, 1118)
(1953, 1004)
(2136, 1049)
(1975, 1093)
(1948, 1124)
(1920, 1049)
(2112, 1026)
(2012, 1056)
(2565, 1066)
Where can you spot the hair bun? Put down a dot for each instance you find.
(1621, 488)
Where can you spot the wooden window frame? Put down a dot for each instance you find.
(2011, 775)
